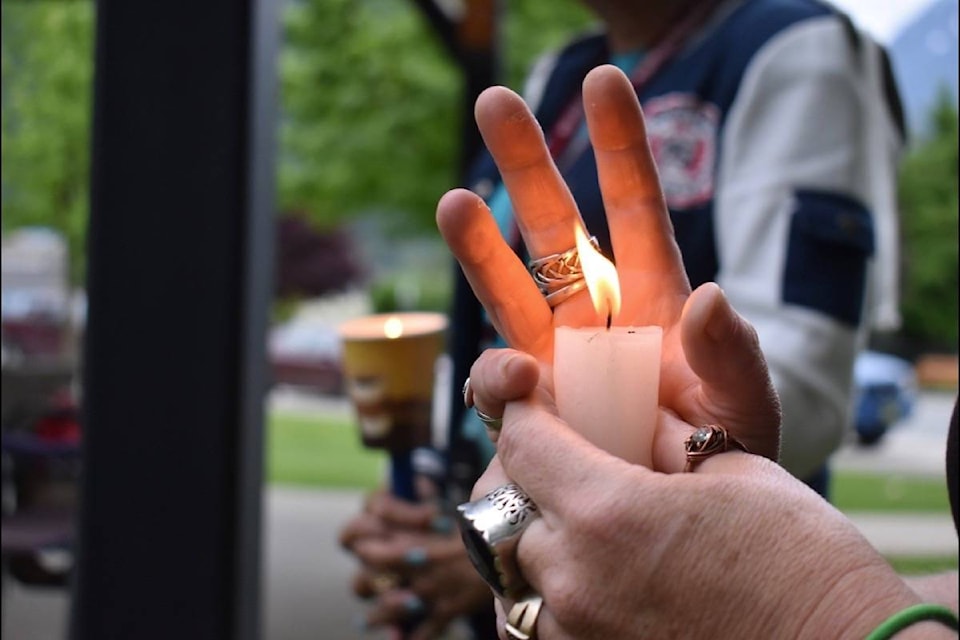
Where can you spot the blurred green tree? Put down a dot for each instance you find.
(929, 202)
(47, 68)
(368, 108)
(536, 27)
(371, 104)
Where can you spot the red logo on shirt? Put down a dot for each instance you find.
(682, 131)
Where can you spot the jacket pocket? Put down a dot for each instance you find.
(831, 239)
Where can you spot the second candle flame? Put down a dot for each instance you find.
(393, 327)
(600, 275)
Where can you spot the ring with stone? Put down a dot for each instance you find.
(707, 441)
(491, 528)
(522, 618)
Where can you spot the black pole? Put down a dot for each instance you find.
(180, 265)
(479, 59)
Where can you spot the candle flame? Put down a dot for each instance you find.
(393, 327)
(601, 276)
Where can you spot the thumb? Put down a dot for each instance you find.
(724, 352)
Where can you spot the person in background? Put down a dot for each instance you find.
(776, 129)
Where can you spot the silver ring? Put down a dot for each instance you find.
(559, 295)
(489, 421)
(491, 528)
(522, 619)
(467, 393)
(557, 271)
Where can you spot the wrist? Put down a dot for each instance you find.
(926, 630)
(858, 602)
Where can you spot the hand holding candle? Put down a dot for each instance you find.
(714, 383)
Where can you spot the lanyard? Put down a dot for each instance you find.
(564, 144)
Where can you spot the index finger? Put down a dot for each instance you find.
(499, 280)
(544, 208)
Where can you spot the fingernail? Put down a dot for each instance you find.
(415, 557)
(719, 321)
(414, 605)
(442, 524)
(467, 394)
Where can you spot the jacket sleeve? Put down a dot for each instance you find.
(797, 191)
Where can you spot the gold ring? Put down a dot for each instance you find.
(383, 582)
(706, 441)
(522, 619)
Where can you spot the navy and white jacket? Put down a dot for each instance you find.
(777, 131)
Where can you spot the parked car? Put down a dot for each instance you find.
(306, 355)
(886, 392)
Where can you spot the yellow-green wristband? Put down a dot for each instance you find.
(910, 616)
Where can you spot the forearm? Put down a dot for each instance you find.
(939, 588)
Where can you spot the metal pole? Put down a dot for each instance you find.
(180, 265)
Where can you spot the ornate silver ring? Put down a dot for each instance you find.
(558, 271)
(491, 528)
(563, 293)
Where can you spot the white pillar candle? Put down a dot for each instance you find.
(606, 383)
(607, 379)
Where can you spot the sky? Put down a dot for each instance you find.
(882, 18)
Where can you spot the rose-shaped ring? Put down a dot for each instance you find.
(707, 441)
(491, 528)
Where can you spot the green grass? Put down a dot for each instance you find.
(320, 452)
(325, 451)
(921, 565)
(888, 493)
(895, 493)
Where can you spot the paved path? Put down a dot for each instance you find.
(307, 574)
(915, 446)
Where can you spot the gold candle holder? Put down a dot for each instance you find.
(389, 362)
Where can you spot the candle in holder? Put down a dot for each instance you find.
(607, 378)
(389, 362)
